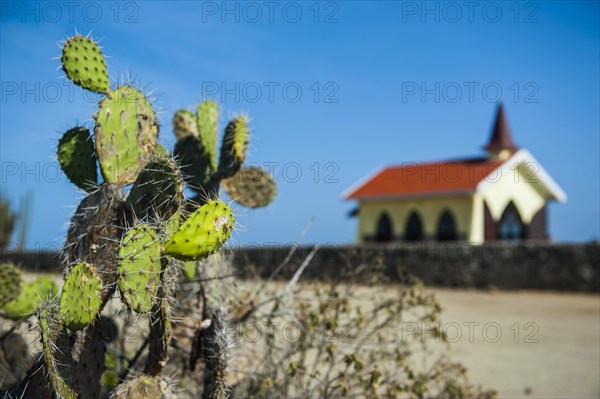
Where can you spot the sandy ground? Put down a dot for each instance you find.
(549, 345)
(523, 344)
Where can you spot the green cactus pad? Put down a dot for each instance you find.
(31, 296)
(184, 124)
(84, 64)
(207, 119)
(202, 233)
(77, 158)
(144, 386)
(139, 268)
(10, 283)
(158, 189)
(194, 161)
(80, 298)
(233, 149)
(125, 132)
(251, 187)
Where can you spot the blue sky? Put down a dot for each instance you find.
(330, 88)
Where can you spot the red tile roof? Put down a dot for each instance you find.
(426, 178)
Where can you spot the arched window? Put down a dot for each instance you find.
(510, 226)
(446, 227)
(385, 231)
(414, 228)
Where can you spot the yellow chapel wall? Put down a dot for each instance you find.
(430, 210)
(477, 232)
(518, 185)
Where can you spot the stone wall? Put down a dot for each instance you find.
(561, 267)
(539, 266)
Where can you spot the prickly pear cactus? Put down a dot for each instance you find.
(10, 283)
(77, 158)
(203, 233)
(251, 187)
(158, 189)
(32, 295)
(139, 268)
(233, 149)
(102, 252)
(84, 64)
(125, 132)
(80, 300)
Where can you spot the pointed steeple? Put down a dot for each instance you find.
(500, 144)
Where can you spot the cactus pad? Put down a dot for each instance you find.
(84, 64)
(251, 187)
(125, 129)
(10, 283)
(31, 296)
(202, 233)
(56, 347)
(80, 298)
(144, 386)
(158, 189)
(139, 268)
(194, 161)
(184, 124)
(207, 119)
(77, 157)
(233, 149)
